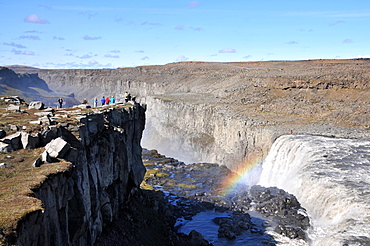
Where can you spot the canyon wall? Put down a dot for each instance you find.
(77, 204)
(231, 113)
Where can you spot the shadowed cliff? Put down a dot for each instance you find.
(30, 87)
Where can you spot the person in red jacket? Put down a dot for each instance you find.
(107, 100)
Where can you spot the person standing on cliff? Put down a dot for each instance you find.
(107, 100)
(112, 99)
(60, 101)
(103, 101)
(95, 102)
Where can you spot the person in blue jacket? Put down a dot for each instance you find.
(103, 101)
(112, 99)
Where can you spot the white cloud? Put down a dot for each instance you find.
(144, 58)
(337, 23)
(227, 50)
(90, 64)
(292, 42)
(35, 19)
(26, 52)
(193, 3)
(58, 38)
(19, 46)
(180, 27)
(197, 29)
(182, 58)
(348, 41)
(247, 57)
(110, 56)
(33, 37)
(87, 37)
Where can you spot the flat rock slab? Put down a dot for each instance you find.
(57, 147)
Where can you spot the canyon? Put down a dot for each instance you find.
(231, 113)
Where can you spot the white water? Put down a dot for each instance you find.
(330, 177)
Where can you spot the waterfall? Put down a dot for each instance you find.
(330, 177)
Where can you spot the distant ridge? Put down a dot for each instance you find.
(20, 67)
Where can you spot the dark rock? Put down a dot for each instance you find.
(37, 162)
(2, 133)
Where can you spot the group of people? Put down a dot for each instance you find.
(104, 100)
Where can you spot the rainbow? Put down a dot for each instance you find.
(247, 174)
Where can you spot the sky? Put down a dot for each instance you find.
(120, 33)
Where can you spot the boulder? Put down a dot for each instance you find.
(43, 113)
(45, 157)
(30, 141)
(5, 148)
(36, 105)
(2, 133)
(37, 162)
(13, 107)
(14, 127)
(14, 140)
(82, 106)
(14, 99)
(2, 165)
(49, 133)
(57, 147)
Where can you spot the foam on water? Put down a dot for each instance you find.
(330, 177)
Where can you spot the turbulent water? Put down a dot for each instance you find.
(330, 177)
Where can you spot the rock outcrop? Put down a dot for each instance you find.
(105, 154)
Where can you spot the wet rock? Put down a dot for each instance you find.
(197, 239)
(290, 232)
(283, 208)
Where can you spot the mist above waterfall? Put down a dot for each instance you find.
(330, 177)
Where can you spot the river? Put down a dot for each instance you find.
(330, 178)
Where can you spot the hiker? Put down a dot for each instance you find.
(127, 96)
(103, 101)
(60, 101)
(107, 100)
(84, 101)
(95, 102)
(112, 99)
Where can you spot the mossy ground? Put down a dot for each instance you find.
(17, 182)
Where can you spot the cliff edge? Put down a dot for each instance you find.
(77, 190)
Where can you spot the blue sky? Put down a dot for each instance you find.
(119, 33)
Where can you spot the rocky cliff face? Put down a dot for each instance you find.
(230, 113)
(106, 157)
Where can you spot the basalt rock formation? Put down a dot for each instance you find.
(105, 167)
